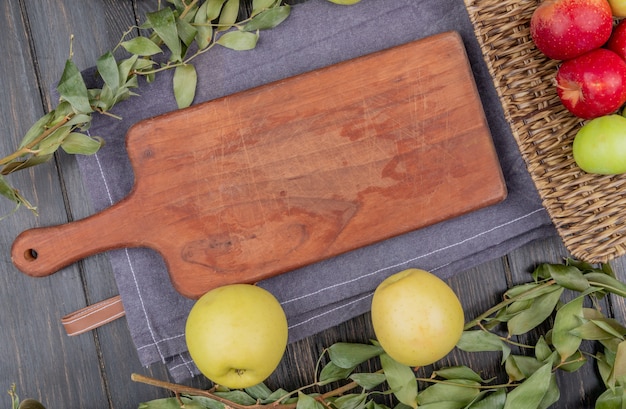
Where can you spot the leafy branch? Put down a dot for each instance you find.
(557, 295)
(178, 33)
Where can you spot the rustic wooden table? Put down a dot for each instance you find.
(93, 370)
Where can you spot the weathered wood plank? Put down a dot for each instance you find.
(96, 27)
(35, 352)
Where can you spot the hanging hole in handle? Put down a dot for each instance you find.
(30, 255)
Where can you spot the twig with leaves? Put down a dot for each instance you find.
(183, 30)
(557, 295)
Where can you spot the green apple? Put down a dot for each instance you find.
(600, 145)
(236, 335)
(416, 316)
(618, 7)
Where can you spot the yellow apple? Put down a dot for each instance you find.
(618, 7)
(416, 316)
(236, 335)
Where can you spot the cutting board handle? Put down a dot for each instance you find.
(42, 251)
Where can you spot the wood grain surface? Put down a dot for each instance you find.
(369, 149)
(93, 370)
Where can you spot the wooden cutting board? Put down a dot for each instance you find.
(277, 177)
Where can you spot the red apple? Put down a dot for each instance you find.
(593, 84)
(617, 42)
(564, 29)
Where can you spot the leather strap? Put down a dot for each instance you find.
(93, 316)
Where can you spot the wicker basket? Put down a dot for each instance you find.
(589, 211)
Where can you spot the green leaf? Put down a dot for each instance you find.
(142, 46)
(204, 35)
(567, 318)
(261, 5)
(102, 99)
(349, 355)
(278, 394)
(186, 31)
(462, 393)
(581, 265)
(52, 142)
(12, 194)
(611, 326)
(37, 129)
(308, 402)
(72, 88)
(32, 160)
(207, 403)
(574, 362)
(608, 270)
(567, 276)
(483, 341)
(541, 308)
(163, 22)
(214, 7)
(368, 380)
(528, 290)
(530, 393)
(185, 81)
(142, 64)
(552, 394)
(204, 30)
(401, 380)
(596, 330)
(237, 396)
(228, 16)
(611, 399)
(331, 373)
(618, 372)
(7, 191)
(268, 19)
(458, 372)
(131, 83)
(350, 401)
(542, 349)
(238, 40)
(607, 283)
(520, 367)
(605, 366)
(516, 307)
(125, 67)
(178, 4)
(493, 400)
(375, 405)
(107, 68)
(259, 391)
(80, 144)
